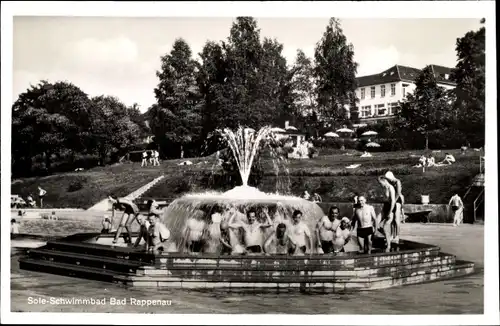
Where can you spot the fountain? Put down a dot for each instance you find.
(92, 256)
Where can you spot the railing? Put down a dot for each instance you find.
(479, 199)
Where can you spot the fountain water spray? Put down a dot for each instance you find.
(244, 144)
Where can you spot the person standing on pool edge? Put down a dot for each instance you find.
(130, 213)
(389, 210)
(400, 199)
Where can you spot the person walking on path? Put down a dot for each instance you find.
(41, 194)
(144, 159)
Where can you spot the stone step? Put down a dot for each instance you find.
(84, 260)
(309, 275)
(100, 250)
(328, 285)
(283, 270)
(325, 262)
(66, 269)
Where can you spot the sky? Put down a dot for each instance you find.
(120, 56)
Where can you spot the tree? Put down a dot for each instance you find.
(335, 72)
(303, 92)
(113, 129)
(469, 74)
(48, 119)
(428, 109)
(243, 100)
(139, 119)
(176, 119)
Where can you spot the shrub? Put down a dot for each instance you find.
(75, 186)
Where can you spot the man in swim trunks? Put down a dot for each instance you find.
(158, 235)
(298, 234)
(457, 206)
(389, 210)
(194, 231)
(342, 235)
(225, 239)
(400, 201)
(130, 213)
(252, 230)
(325, 229)
(279, 241)
(144, 230)
(366, 221)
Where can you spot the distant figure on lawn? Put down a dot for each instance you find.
(41, 195)
(366, 221)
(144, 159)
(130, 213)
(306, 195)
(457, 206)
(156, 158)
(448, 159)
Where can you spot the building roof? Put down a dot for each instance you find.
(404, 73)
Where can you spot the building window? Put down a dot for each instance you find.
(393, 89)
(380, 109)
(382, 90)
(372, 92)
(393, 108)
(362, 93)
(366, 111)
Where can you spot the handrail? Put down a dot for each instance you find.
(475, 201)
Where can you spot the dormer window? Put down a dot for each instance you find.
(446, 76)
(384, 74)
(392, 73)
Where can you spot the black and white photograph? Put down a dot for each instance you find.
(249, 163)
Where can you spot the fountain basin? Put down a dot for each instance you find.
(90, 256)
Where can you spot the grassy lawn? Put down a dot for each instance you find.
(326, 174)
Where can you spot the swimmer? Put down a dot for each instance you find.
(106, 225)
(158, 235)
(298, 234)
(279, 241)
(194, 232)
(342, 235)
(366, 221)
(225, 239)
(144, 230)
(325, 230)
(390, 209)
(252, 230)
(400, 201)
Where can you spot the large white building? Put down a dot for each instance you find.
(379, 94)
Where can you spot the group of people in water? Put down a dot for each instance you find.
(232, 231)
